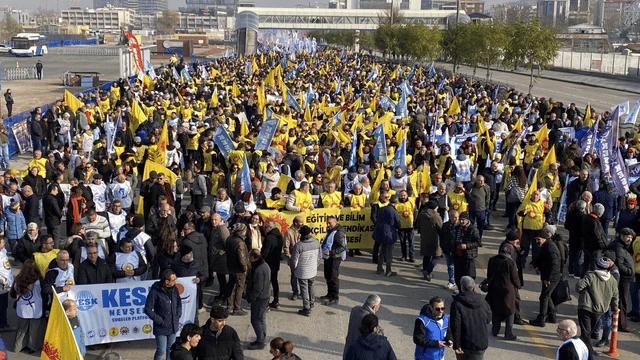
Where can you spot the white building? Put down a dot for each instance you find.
(109, 18)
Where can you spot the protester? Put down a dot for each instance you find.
(334, 248)
(71, 310)
(291, 238)
(470, 314)
(217, 257)
(305, 257)
(385, 232)
(467, 240)
(502, 275)
(190, 337)
(370, 345)
(30, 304)
(258, 297)
(548, 264)
(271, 252)
(429, 225)
(219, 341)
(164, 308)
(431, 331)
(282, 350)
(572, 346)
(237, 266)
(371, 306)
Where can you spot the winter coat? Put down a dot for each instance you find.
(164, 308)
(387, 225)
(339, 244)
(53, 213)
(237, 254)
(429, 225)
(594, 237)
(199, 245)
(217, 255)
(503, 284)
(305, 257)
(13, 224)
(548, 262)
(25, 248)
(225, 346)
(90, 274)
(624, 260)
(259, 281)
(598, 290)
(573, 223)
(447, 239)
(194, 268)
(272, 245)
(31, 210)
(577, 187)
(353, 332)
(469, 317)
(608, 200)
(469, 236)
(371, 347)
(179, 353)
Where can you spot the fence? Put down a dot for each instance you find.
(86, 51)
(71, 42)
(23, 73)
(615, 64)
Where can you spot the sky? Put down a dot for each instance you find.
(173, 4)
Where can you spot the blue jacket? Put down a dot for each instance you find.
(164, 308)
(433, 332)
(13, 224)
(387, 225)
(371, 347)
(610, 202)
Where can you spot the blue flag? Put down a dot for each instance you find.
(226, 53)
(310, 95)
(337, 119)
(292, 102)
(441, 85)
(150, 70)
(223, 140)
(245, 177)
(338, 87)
(432, 70)
(247, 68)
(380, 149)
(411, 73)
(633, 114)
(175, 74)
(354, 148)
(495, 92)
(267, 131)
(373, 74)
(401, 156)
(401, 107)
(608, 141)
(407, 88)
(619, 173)
(387, 103)
(269, 114)
(400, 70)
(185, 74)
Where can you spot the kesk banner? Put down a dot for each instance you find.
(135, 51)
(356, 222)
(115, 312)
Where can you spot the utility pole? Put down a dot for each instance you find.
(457, 11)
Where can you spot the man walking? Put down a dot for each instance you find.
(39, 68)
(572, 347)
(164, 308)
(237, 266)
(371, 306)
(8, 100)
(334, 251)
(291, 237)
(598, 290)
(547, 263)
(466, 240)
(271, 252)
(431, 331)
(470, 314)
(305, 257)
(385, 232)
(429, 225)
(258, 297)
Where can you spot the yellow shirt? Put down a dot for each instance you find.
(406, 211)
(332, 200)
(534, 220)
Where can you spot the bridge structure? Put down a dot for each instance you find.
(341, 19)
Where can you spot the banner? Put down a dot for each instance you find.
(115, 312)
(608, 141)
(633, 114)
(356, 222)
(135, 52)
(267, 131)
(619, 173)
(224, 141)
(23, 136)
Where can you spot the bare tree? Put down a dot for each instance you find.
(391, 15)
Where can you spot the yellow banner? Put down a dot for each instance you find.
(356, 222)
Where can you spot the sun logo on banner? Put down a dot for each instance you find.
(180, 288)
(146, 329)
(114, 331)
(281, 221)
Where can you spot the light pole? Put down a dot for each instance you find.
(457, 11)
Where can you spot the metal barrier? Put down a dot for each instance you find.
(86, 51)
(23, 73)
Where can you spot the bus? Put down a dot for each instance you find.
(29, 44)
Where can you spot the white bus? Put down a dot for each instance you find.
(29, 44)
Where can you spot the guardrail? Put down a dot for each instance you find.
(86, 51)
(23, 73)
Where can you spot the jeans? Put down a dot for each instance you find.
(587, 321)
(306, 290)
(575, 261)
(512, 207)
(37, 144)
(294, 280)
(480, 219)
(275, 286)
(386, 251)
(4, 161)
(604, 324)
(259, 319)
(471, 355)
(406, 238)
(450, 268)
(605, 224)
(546, 305)
(236, 283)
(163, 344)
(331, 274)
(496, 321)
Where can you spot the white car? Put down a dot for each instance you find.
(5, 48)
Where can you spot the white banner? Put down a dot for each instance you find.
(115, 312)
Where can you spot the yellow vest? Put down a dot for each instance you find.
(140, 150)
(406, 213)
(208, 161)
(332, 200)
(276, 204)
(534, 220)
(215, 180)
(119, 150)
(192, 143)
(236, 157)
(458, 201)
(529, 152)
(413, 180)
(303, 199)
(358, 201)
(556, 189)
(443, 161)
(43, 260)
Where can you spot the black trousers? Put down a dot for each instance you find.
(463, 267)
(197, 201)
(331, 274)
(275, 286)
(625, 303)
(9, 109)
(587, 321)
(546, 305)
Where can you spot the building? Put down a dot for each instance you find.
(189, 22)
(481, 18)
(151, 6)
(98, 4)
(578, 11)
(610, 14)
(585, 38)
(20, 16)
(109, 18)
(553, 12)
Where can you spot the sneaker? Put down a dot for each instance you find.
(426, 276)
(257, 346)
(274, 305)
(602, 343)
(450, 286)
(520, 321)
(510, 337)
(304, 312)
(392, 273)
(537, 322)
(404, 258)
(239, 312)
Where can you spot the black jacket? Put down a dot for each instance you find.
(53, 213)
(624, 260)
(272, 248)
(31, 210)
(225, 346)
(164, 308)
(37, 130)
(471, 237)
(573, 223)
(37, 183)
(568, 351)
(25, 248)
(447, 238)
(548, 262)
(576, 188)
(89, 274)
(594, 237)
(470, 314)
(200, 252)
(183, 269)
(259, 281)
(419, 330)
(371, 347)
(180, 353)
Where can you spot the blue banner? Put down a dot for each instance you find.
(223, 140)
(432, 71)
(387, 103)
(185, 74)
(608, 140)
(401, 108)
(401, 156)
(354, 148)
(633, 114)
(380, 149)
(245, 177)
(619, 174)
(267, 131)
(292, 102)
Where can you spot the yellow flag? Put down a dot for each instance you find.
(283, 183)
(454, 108)
(342, 136)
(548, 160)
(307, 114)
(518, 126)
(71, 101)
(214, 72)
(543, 138)
(262, 100)
(137, 116)
(163, 141)
(150, 166)
(244, 128)
(254, 66)
(214, 98)
(425, 179)
(262, 60)
(283, 90)
(235, 91)
(357, 123)
(588, 120)
(481, 127)
(356, 104)
(59, 342)
(375, 189)
(527, 197)
(148, 82)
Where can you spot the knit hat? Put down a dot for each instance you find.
(14, 205)
(191, 208)
(138, 221)
(32, 226)
(464, 215)
(185, 249)
(305, 230)
(551, 229)
(205, 209)
(602, 263)
(512, 235)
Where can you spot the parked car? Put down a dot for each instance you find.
(5, 48)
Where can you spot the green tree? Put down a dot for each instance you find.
(9, 27)
(367, 41)
(531, 45)
(495, 39)
(168, 21)
(472, 43)
(419, 41)
(454, 41)
(386, 39)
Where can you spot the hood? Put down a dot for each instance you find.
(372, 342)
(178, 349)
(470, 299)
(603, 274)
(196, 237)
(308, 238)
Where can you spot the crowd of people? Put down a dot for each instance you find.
(352, 131)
